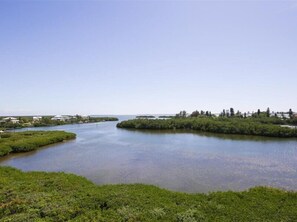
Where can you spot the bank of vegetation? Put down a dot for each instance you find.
(258, 123)
(40, 196)
(15, 142)
(47, 121)
(242, 126)
(30, 121)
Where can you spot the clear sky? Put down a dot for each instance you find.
(140, 57)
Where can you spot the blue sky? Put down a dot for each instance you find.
(140, 57)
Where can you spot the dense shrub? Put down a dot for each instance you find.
(214, 125)
(4, 149)
(31, 140)
(39, 196)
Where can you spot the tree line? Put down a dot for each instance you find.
(261, 116)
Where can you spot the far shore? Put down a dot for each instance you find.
(18, 122)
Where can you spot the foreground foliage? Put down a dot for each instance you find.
(39, 196)
(247, 126)
(30, 140)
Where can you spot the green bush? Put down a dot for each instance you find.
(40, 196)
(215, 125)
(31, 140)
(4, 149)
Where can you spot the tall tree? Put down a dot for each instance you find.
(195, 113)
(268, 112)
(184, 114)
(231, 112)
(227, 113)
(181, 114)
(290, 113)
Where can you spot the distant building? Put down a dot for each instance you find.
(14, 121)
(62, 118)
(279, 115)
(286, 116)
(10, 119)
(57, 117)
(283, 115)
(37, 118)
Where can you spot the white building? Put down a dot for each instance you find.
(283, 115)
(37, 118)
(61, 118)
(58, 117)
(10, 119)
(286, 116)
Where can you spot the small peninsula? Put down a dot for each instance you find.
(16, 142)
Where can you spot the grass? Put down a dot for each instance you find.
(30, 140)
(40, 196)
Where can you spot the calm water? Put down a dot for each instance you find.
(178, 161)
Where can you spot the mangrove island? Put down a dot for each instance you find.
(258, 124)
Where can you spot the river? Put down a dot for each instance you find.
(180, 161)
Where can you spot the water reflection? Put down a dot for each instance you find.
(207, 134)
